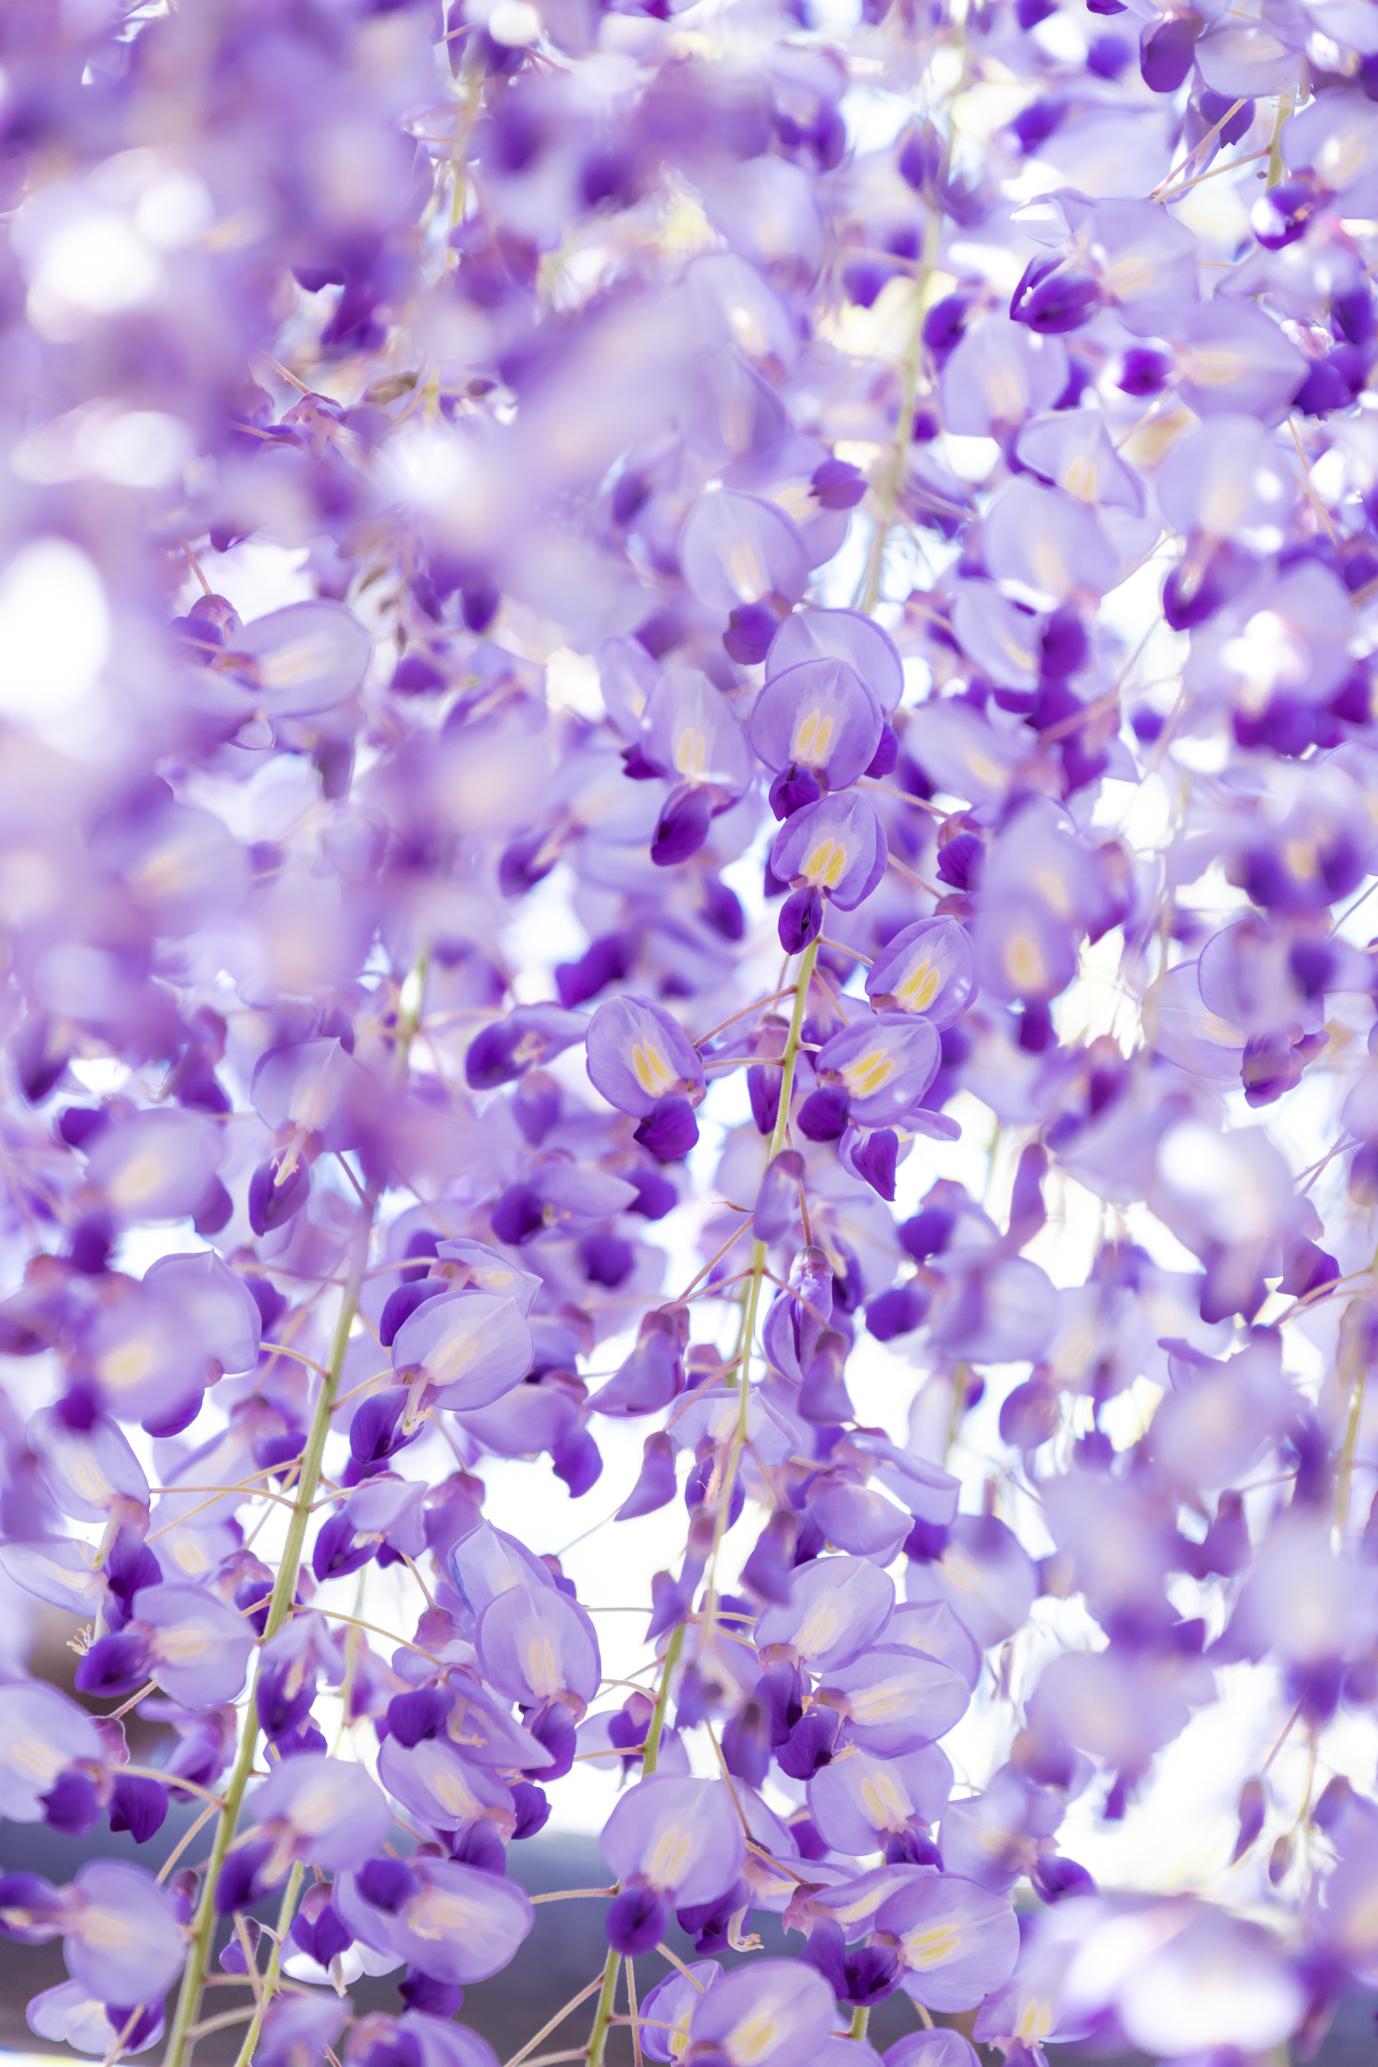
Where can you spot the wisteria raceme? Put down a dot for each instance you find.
(690, 1130)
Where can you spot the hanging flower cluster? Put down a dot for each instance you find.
(688, 767)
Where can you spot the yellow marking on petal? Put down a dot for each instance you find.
(1300, 857)
(109, 1930)
(1053, 890)
(88, 1478)
(961, 1571)
(919, 987)
(447, 1783)
(440, 1913)
(984, 767)
(691, 752)
(1007, 391)
(819, 1628)
(747, 572)
(1214, 366)
(668, 1857)
(1048, 563)
(885, 1701)
(754, 2039)
(291, 664)
(931, 1948)
(138, 1181)
(448, 1359)
(127, 1364)
(886, 1803)
(1134, 273)
(1035, 2021)
(1082, 479)
(189, 1553)
(651, 1070)
(316, 1805)
(35, 1758)
(184, 1643)
(542, 1672)
(869, 1073)
(813, 736)
(825, 865)
(1025, 963)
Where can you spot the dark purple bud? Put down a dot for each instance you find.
(709, 1923)
(531, 1809)
(338, 1551)
(607, 1260)
(800, 918)
(373, 1433)
(792, 789)
(578, 1462)
(769, 1568)
(1062, 302)
(682, 826)
(655, 1192)
(526, 861)
(750, 630)
(636, 1919)
(1064, 647)
(927, 1541)
(896, 1312)
(386, 1884)
(927, 1233)
(886, 753)
(420, 1714)
(1055, 1878)
(402, 1301)
(945, 324)
(655, 1484)
(1253, 1806)
(606, 960)
(670, 1131)
(113, 1665)
(72, 1804)
(810, 1744)
(746, 1744)
(1144, 371)
(552, 1726)
(838, 485)
(138, 1806)
(239, 1886)
(763, 1082)
(1107, 56)
(273, 1198)
(79, 1125)
(1282, 213)
(1167, 48)
(1325, 388)
(877, 1160)
(1034, 124)
(518, 1215)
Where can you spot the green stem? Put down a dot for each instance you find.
(1286, 103)
(602, 2016)
(279, 1607)
(751, 1293)
(281, 1600)
(861, 2017)
(650, 1756)
(273, 1974)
